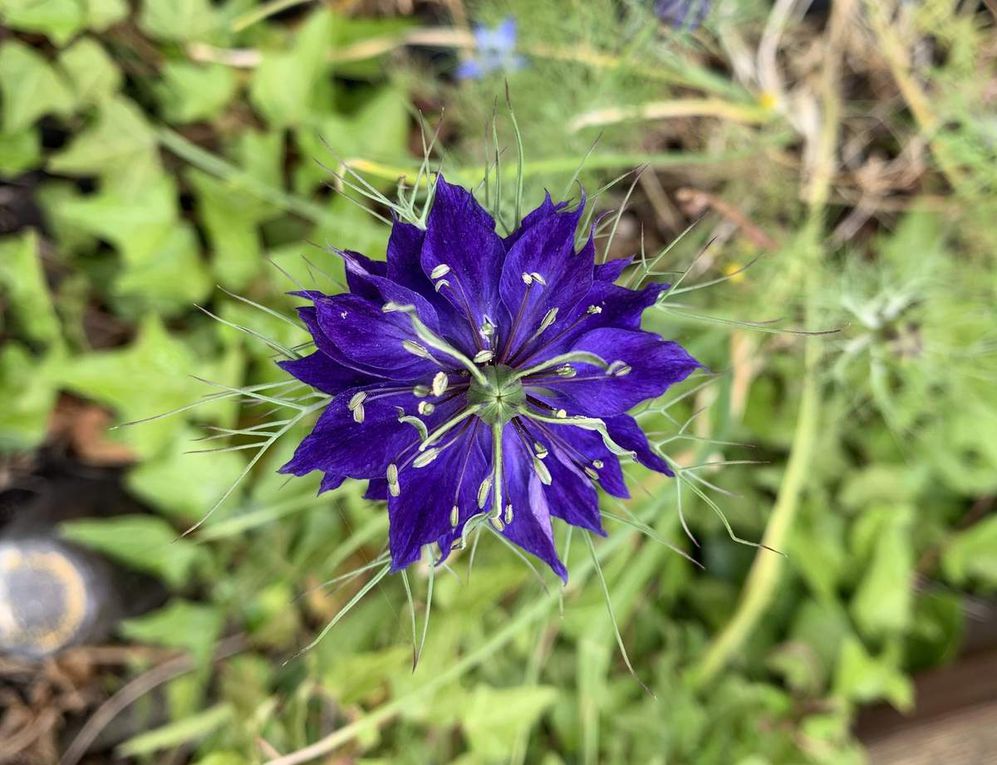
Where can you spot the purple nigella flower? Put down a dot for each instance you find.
(479, 379)
(686, 14)
(495, 51)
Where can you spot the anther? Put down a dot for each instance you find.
(483, 489)
(440, 271)
(454, 516)
(416, 349)
(566, 370)
(548, 319)
(508, 514)
(593, 309)
(426, 457)
(392, 475)
(483, 357)
(440, 382)
(425, 408)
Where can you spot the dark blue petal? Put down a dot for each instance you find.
(625, 431)
(421, 513)
(342, 448)
(377, 489)
(380, 289)
(610, 271)
(538, 216)
(605, 305)
(530, 526)
(460, 235)
(581, 448)
(362, 336)
(543, 273)
(324, 374)
(655, 365)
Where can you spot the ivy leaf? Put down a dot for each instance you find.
(284, 84)
(91, 71)
(23, 283)
(147, 378)
(142, 542)
(971, 555)
(178, 20)
(28, 394)
(59, 20)
(191, 92)
(120, 148)
(19, 151)
(863, 678)
(493, 717)
(30, 86)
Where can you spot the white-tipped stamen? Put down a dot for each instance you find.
(566, 370)
(548, 319)
(357, 400)
(581, 357)
(421, 391)
(623, 371)
(358, 414)
(415, 422)
(415, 349)
(454, 516)
(598, 464)
(591, 474)
(593, 309)
(538, 278)
(527, 279)
(483, 357)
(561, 414)
(440, 383)
(425, 458)
(425, 408)
(487, 327)
(392, 475)
(441, 284)
(483, 491)
(508, 514)
(542, 472)
(440, 271)
(496, 522)
(540, 450)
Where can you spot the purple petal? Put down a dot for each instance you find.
(610, 271)
(530, 525)
(581, 448)
(542, 273)
(324, 374)
(655, 365)
(537, 216)
(460, 236)
(380, 289)
(625, 431)
(421, 514)
(377, 489)
(362, 336)
(343, 448)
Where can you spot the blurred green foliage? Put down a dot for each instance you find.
(173, 146)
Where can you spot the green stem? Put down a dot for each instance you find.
(497, 429)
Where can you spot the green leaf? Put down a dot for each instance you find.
(180, 624)
(143, 542)
(863, 678)
(884, 599)
(30, 86)
(179, 732)
(171, 282)
(231, 220)
(120, 147)
(493, 717)
(284, 84)
(59, 20)
(22, 282)
(971, 555)
(103, 13)
(28, 394)
(191, 92)
(178, 20)
(19, 151)
(138, 224)
(376, 131)
(185, 485)
(147, 378)
(93, 74)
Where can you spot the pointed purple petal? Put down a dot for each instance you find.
(625, 431)
(530, 526)
(655, 365)
(323, 373)
(460, 235)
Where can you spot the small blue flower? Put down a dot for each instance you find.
(684, 14)
(495, 51)
(480, 379)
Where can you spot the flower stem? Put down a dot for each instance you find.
(497, 429)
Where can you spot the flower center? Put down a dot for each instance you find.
(500, 396)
